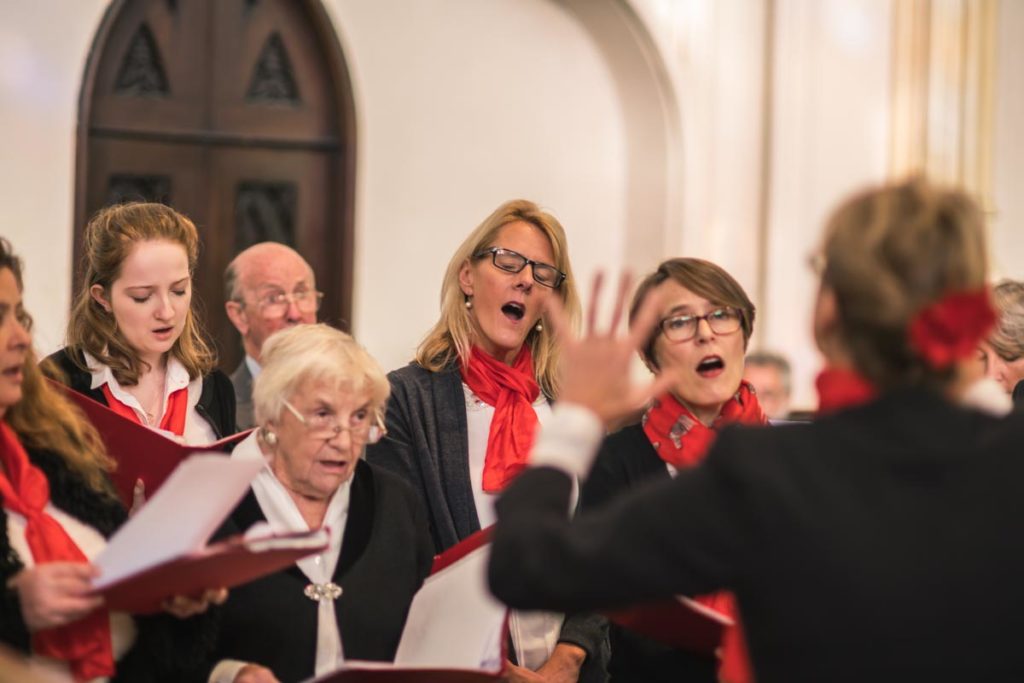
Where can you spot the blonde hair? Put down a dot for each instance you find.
(889, 252)
(452, 335)
(46, 420)
(1007, 339)
(318, 352)
(108, 240)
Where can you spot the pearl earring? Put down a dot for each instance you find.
(539, 327)
(269, 437)
(469, 303)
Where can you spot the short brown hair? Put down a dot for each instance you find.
(703, 278)
(109, 238)
(890, 252)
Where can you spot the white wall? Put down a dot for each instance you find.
(460, 106)
(830, 136)
(1008, 151)
(43, 46)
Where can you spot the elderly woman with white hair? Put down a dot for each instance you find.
(319, 399)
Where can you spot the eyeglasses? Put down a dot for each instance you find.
(324, 425)
(276, 304)
(680, 328)
(513, 262)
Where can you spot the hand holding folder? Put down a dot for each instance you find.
(456, 630)
(160, 552)
(141, 453)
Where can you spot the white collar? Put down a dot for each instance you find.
(253, 365)
(177, 375)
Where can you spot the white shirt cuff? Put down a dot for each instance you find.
(569, 441)
(226, 670)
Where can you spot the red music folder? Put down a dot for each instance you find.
(140, 452)
(161, 550)
(225, 564)
(682, 623)
(456, 631)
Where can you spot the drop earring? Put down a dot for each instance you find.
(469, 303)
(539, 327)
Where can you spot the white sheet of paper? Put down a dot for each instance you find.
(180, 516)
(454, 621)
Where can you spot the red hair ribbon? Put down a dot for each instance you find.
(949, 329)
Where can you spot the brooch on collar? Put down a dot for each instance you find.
(319, 592)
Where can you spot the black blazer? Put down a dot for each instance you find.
(879, 544)
(427, 444)
(165, 648)
(385, 555)
(628, 460)
(216, 402)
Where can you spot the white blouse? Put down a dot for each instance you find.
(283, 516)
(534, 634)
(91, 543)
(197, 430)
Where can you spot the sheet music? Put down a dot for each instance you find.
(454, 621)
(180, 517)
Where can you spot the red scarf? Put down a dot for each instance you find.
(682, 441)
(173, 419)
(85, 644)
(840, 388)
(512, 391)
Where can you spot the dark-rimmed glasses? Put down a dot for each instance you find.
(275, 304)
(325, 425)
(680, 328)
(514, 262)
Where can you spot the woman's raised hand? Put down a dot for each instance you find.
(55, 593)
(596, 366)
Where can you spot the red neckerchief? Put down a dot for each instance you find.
(85, 644)
(512, 391)
(681, 439)
(840, 388)
(173, 419)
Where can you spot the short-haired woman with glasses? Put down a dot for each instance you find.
(463, 415)
(134, 341)
(319, 400)
(706, 320)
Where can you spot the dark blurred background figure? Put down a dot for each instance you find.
(771, 376)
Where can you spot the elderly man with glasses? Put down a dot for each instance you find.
(270, 287)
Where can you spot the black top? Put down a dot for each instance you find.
(216, 402)
(385, 555)
(1018, 395)
(164, 648)
(628, 460)
(427, 445)
(879, 544)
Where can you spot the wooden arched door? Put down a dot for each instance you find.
(239, 114)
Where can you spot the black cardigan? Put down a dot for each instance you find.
(879, 544)
(385, 555)
(216, 402)
(626, 461)
(165, 647)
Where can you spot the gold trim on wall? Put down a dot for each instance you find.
(943, 79)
